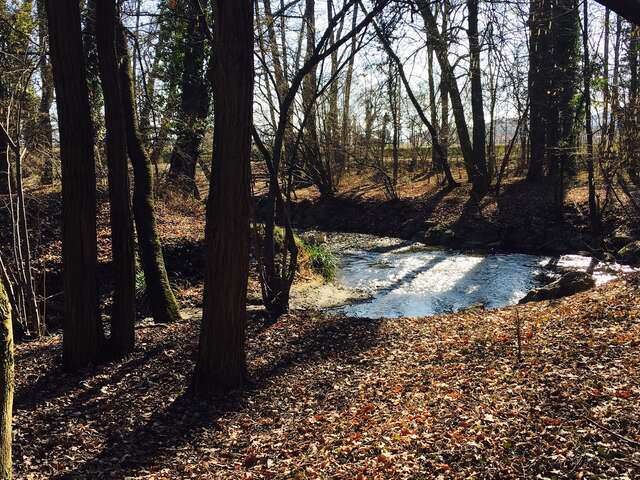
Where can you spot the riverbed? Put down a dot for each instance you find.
(388, 277)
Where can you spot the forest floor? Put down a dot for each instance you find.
(332, 397)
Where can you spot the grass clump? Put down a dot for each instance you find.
(322, 260)
(313, 257)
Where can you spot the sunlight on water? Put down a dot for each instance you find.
(401, 279)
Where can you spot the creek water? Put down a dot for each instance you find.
(390, 277)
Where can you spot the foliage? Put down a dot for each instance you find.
(140, 283)
(322, 259)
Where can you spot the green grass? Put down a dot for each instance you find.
(323, 262)
(140, 283)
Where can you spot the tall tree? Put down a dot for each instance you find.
(319, 170)
(79, 250)
(123, 259)
(477, 105)
(164, 306)
(475, 165)
(46, 98)
(221, 363)
(194, 102)
(6, 384)
(5, 168)
(539, 57)
(586, 73)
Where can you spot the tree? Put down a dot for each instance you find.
(477, 106)
(81, 337)
(586, 73)
(45, 131)
(475, 164)
(164, 306)
(194, 102)
(6, 384)
(539, 58)
(221, 363)
(123, 259)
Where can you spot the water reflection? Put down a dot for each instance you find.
(400, 279)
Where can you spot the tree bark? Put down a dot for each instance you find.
(81, 337)
(538, 40)
(4, 166)
(221, 363)
(46, 99)
(7, 384)
(194, 105)
(593, 206)
(477, 104)
(122, 250)
(163, 304)
(475, 171)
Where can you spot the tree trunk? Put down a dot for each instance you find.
(194, 106)
(221, 363)
(93, 81)
(481, 183)
(317, 169)
(163, 304)
(593, 206)
(344, 138)
(122, 250)
(82, 333)
(538, 40)
(7, 384)
(4, 166)
(475, 170)
(46, 99)
(615, 94)
(633, 115)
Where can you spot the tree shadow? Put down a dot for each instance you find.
(136, 440)
(430, 203)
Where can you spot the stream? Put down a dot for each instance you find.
(388, 277)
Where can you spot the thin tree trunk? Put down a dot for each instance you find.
(475, 171)
(46, 99)
(615, 95)
(593, 206)
(5, 168)
(221, 363)
(163, 304)
(82, 333)
(7, 385)
(344, 140)
(122, 250)
(605, 80)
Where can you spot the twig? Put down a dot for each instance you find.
(630, 462)
(615, 434)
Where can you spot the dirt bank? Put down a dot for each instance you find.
(521, 219)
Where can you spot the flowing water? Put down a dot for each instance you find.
(394, 278)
